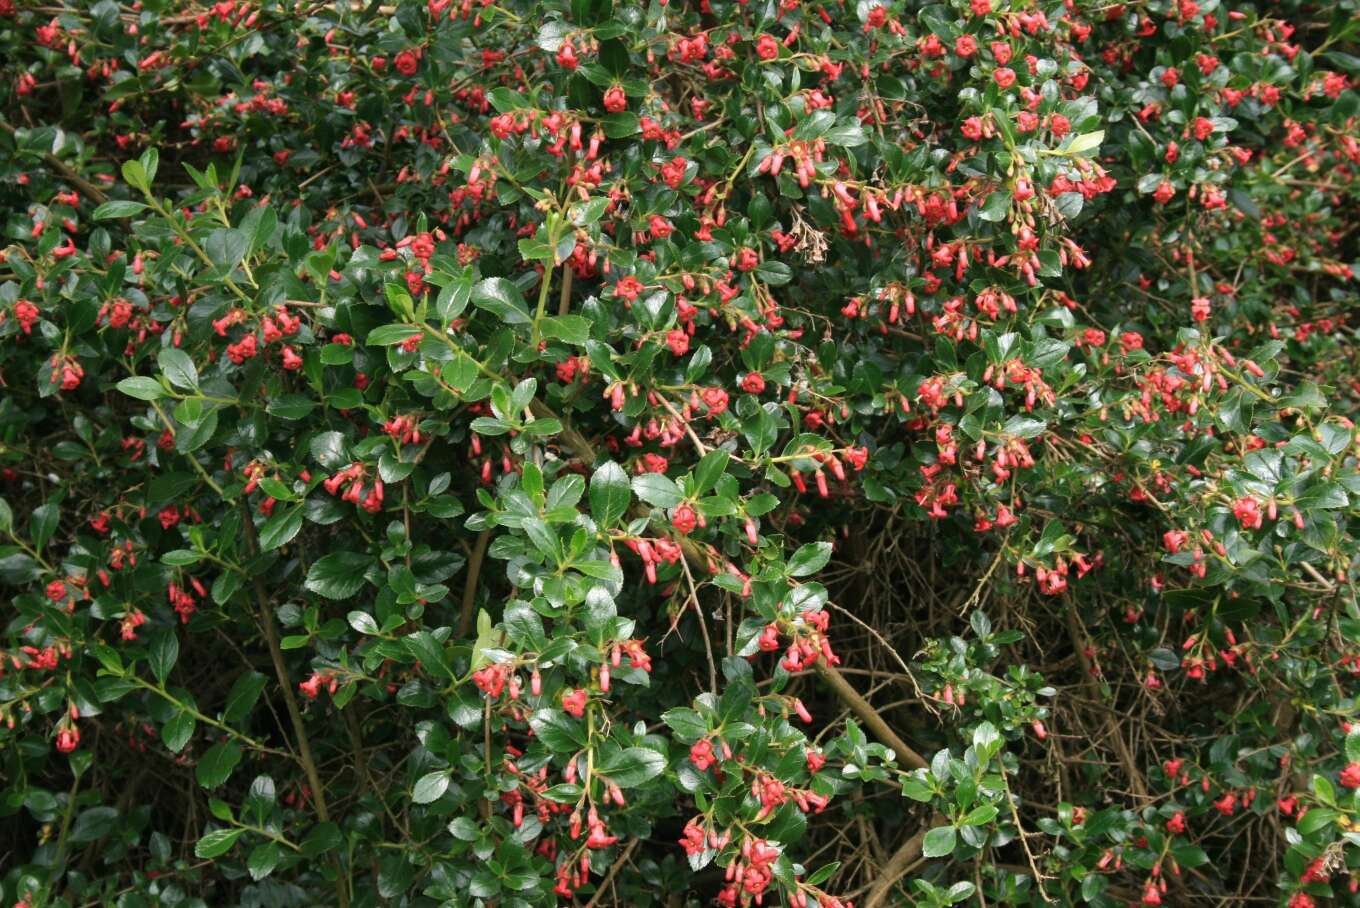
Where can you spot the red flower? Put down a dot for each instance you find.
(715, 399)
(701, 754)
(68, 739)
(684, 519)
(615, 101)
(407, 62)
(27, 314)
(575, 702)
(1247, 510)
(678, 341)
(1350, 776)
(628, 288)
(767, 48)
(660, 227)
(1005, 77)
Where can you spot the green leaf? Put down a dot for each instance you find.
(687, 724)
(657, 490)
(776, 274)
(177, 732)
(559, 732)
(710, 468)
(1190, 856)
(1024, 427)
(398, 300)
(44, 524)
(809, 559)
(142, 387)
(1324, 496)
(465, 829)
(847, 135)
(243, 695)
(622, 124)
(632, 766)
(502, 299)
(134, 174)
(427, 649)
(453, 298)
(490, 426)
(362, 622)
(93, 824)
(118, 209)
(215, 766)
(609, 494)
(280, 529)
(573, 329)
(217, 843)
(387, 335)
(150, 160)
(939, 842)
(431, 787)
(162, 654)
(996, 206)
(178, 368)
(1085, 142)
(979, 815)
(324, 837)
(227, 247)
(291, 406)
(553, 34)
(328, 449)
(338, 575)
(263, 859)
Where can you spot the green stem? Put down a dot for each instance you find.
(188, 238)
(184, 707)
(543, 297)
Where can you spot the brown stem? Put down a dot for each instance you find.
(474, 571)
(1088, 681)
(90, 190)
(564, 301)
(902, 862)
(871, 717)
(614, 869)
(271, 636)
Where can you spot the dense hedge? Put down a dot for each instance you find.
(516, 453)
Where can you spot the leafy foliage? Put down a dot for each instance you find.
(465, 453)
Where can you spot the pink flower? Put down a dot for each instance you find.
(575, 702)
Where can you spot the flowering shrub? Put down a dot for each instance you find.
(517, 453)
